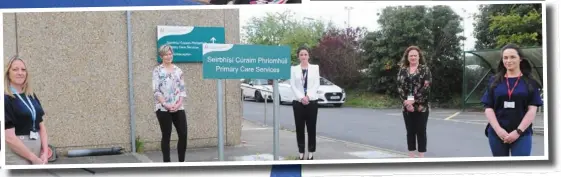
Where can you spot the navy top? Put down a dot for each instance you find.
(18, 116)
(510, 118)
(305, 77)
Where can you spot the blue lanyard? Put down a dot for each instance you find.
(31, 109)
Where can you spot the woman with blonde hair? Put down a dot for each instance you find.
(25, 131)
(413, 80)
(169, 92)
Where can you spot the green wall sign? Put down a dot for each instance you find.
(187, 41)
(234, 61)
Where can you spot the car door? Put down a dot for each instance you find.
(285, 91)
(246, 87)
(251, 89)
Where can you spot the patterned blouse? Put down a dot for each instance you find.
(415, 84)
(169, 85)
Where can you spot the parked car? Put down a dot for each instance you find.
(257, 89)
(328, 92)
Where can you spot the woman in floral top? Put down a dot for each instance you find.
(413, 80)
(169, 92)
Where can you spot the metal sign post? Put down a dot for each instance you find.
(276, 110)
(220, 117)
(265, 116)
(276, 60)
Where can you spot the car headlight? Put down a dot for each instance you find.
(343, 90)
(320, 92)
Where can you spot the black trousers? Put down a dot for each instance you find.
(305, 116)
(179, 120)
(416, 126)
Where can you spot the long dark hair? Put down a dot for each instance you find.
(525, 68)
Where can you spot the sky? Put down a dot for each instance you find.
(362, 13)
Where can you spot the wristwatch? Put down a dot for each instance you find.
(519, 131)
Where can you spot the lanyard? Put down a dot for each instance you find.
(509, 91)
(304, 79)
(304, 75)
(31, 109)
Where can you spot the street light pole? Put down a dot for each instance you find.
(348, 9)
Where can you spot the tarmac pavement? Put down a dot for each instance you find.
(257, 145)
(450, 132)
(257, 139)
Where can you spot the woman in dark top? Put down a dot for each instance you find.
(511, 102)
(26, 135)
(413, 79)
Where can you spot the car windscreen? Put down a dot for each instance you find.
(323, 81)
(260, 82)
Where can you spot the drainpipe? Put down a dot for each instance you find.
(131, 93)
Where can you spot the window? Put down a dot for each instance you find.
(260, 82)
(324, 81)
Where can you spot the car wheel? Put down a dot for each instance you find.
(338, 105)
(258, 97)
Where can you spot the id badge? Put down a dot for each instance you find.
(33, 135)
(509, 104)
(411, 98)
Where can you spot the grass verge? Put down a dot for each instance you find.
(363, 99)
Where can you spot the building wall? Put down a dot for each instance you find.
(79, 68)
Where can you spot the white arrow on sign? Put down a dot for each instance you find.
(213, 39)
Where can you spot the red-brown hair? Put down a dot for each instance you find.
(405, 61)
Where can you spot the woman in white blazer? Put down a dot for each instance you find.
(304, 81)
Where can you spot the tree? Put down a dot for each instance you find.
(435, 30)
(338, 55)
(499, 24)
(283, 29)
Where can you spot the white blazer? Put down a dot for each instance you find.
(297, 85)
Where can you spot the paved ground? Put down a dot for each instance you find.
(449, 134)
(257, 146)
(344, 133)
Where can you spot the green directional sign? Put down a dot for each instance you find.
(187, 41)
(234, 61)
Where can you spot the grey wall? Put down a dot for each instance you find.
(79, 69)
